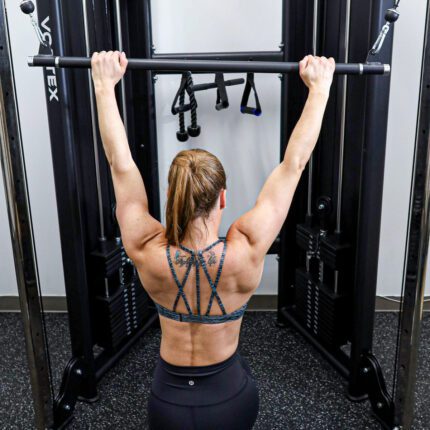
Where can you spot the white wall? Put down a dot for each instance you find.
(37, 152)
(247, 146)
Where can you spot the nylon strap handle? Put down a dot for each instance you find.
(222, 97)
(244, 108)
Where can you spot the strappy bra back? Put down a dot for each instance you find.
(196, 259)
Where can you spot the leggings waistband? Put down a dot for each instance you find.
(200, 385)
(208, 370)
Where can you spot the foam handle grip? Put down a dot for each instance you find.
(250, 111)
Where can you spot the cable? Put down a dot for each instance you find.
(391, 16)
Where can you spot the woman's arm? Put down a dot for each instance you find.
(259, 227)
(136, 224)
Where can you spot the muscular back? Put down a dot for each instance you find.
(195, 344)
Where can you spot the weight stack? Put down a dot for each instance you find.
(320, 310)
(121, 315)
(307, 238)
(107, 263)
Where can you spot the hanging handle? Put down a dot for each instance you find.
(222, 97)
(244, 108)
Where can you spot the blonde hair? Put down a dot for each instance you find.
(196, 177)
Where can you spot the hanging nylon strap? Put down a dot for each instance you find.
(244, 108)
(222, 97)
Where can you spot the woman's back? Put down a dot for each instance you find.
(201, 296)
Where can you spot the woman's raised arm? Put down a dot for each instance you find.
(136, 224)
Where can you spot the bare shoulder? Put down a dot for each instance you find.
(243, 245)
(242, 262)
(150, 259)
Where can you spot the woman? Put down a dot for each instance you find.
(200, 284)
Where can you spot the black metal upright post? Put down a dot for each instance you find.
(21, 230)
(143, 135)
(283, 290)
(296, 44)
(371, 189)
(67, 186)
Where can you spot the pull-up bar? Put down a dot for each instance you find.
(209, 66)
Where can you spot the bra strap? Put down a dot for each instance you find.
(179, 284)
(198, 286)
(212, 284)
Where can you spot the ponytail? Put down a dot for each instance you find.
(196, 178)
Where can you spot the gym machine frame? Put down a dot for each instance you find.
(76, 187)
(353, 138)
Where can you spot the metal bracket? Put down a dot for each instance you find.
(71, 384)
(374, 383)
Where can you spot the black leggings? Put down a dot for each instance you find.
(222, 396)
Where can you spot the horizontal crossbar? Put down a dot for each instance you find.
(209, 66)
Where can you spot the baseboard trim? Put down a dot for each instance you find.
(390, 304)
(50, 304)
(263, 303)
(259, 303)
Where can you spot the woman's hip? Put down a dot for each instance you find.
(220, 396)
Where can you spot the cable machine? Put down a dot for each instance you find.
(330, 244)
(328, 248)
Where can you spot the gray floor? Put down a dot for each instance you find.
(298, 389)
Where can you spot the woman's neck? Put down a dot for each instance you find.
(201, 233)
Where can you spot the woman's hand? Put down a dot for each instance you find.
(317, 73)
(108, 68)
